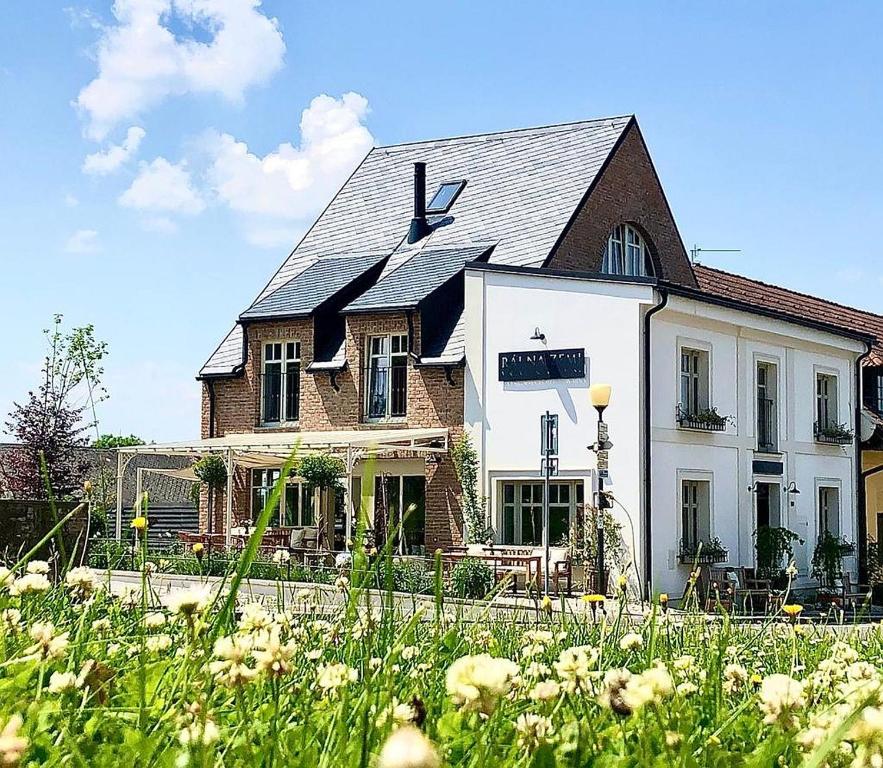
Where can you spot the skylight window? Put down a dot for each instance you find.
(444, 198)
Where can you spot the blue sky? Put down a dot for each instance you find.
(763, 120)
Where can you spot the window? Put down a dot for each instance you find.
(694, 382)
(297, 509)
(522, 507)
(404, 495)
(626, 253)
(829, 510)
(386, 391)
(826, 401)
(695, 514)
(767, 417)
(445, 196)
(280, 382)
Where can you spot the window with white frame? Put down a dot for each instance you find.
(522, 511)
(694, 398)
(829, 510)
(826, 402)
(626, 253)
(280, 382)
(386, 377)
(767, 407)
(695, 514)
(296, 510)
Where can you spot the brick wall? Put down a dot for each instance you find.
(627, 191)
(432, 402)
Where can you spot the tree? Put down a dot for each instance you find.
(108, 441)
(49, 425)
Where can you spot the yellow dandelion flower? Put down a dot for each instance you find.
(792, 609)
(198, 548)
(594, 598)
(140, 523)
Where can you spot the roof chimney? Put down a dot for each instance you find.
(419, 226)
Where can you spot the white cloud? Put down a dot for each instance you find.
(141, 61)
(82, 241)
(102, 163)
(163, 186)
(294, 182)
(71, 201)
(162, 224)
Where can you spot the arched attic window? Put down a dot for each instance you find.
(627, 253)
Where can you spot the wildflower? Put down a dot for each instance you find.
(12, 746)
(47, 645)
(533, 730)
(10, 618)
(60, 682)
(400, 713)
(154, 620)
(373, 663)
(199, 732)
(197, 549)
(631, 641)
(187, 602)
(230, 667)
(780, 695)
(30, 583)
(37, 566)
(407, 747)
(545, 690)
(867, 736)
(672, 739)
(158, 643)
(622, 582)
(82, 581)
(476, 683)
(255, 619)
(281, 556)
(409, 652)
(735, 677)
(649, 687)
(612, 694)
(140, 524)
(663, 600)
(274, 657)
(574, 666)
(341, 583)
(792, 611)
(101, 625)
(593, 598)
(791, 570)
(546, 604)
(335, 675)
(6, 577)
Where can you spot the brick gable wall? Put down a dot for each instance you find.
(628, 190)
(432, 402)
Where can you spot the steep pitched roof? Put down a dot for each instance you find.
(523, 186)
(415, 279)
(716, 282)
(302, 295)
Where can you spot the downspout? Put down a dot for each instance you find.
(861, 502)
(648, 472)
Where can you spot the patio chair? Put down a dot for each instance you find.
(855, 594)
(560, 567)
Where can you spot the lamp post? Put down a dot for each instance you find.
(599, 395)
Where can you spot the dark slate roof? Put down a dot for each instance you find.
(302, 295)
(415, 279)
(716, 282)
(523, 187)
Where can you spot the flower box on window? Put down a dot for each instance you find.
(708, 420)
(703, 552)
(833, 434)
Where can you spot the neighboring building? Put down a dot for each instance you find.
(398, 311)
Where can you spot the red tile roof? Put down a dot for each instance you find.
(726, 285)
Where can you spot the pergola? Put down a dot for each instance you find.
(260, 450)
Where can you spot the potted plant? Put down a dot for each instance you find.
(827, 559)
(706, 418)
(774, 547)
(838, 434)
(704, 552)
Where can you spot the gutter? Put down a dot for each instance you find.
(648, 469)
(861, 500)
(211, 407)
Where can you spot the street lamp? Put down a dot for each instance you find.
(599, 395)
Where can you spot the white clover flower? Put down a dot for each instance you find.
(37, 566)
(199, 733)
(407, 747)
(613, 691)
(649, 687)
(188, 602)
(631, 641)
(61, 682)
(342, 583)
(409, 652)
(158, 643)
(6, 577)
(373, 663)
(533, 730)
(335, 675)
(780, 697)
(476, 683)
(12, 746)
(101, 625)
(47, 644)
(10, 618)
(545, 690)
(536, 670)
(255, 618)
(154, 620)
(273, 657)
(735, 677)
(399, 712)
(281, 556)
(230, 667)
(83, 581)
(30, 583)
(575, 667)
(314, 654)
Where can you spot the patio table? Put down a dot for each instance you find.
(532, 563)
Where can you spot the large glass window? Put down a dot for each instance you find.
(298, 507)
(386, 380)
(404, 499)
(767, 419)
(522, 511)
(695, 514)
(694, 382)
(280, 382)
(826, 402)
(626, 253)
(829, 510)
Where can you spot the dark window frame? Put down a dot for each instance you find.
(460, 185)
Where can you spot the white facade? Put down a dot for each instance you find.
(606, 319)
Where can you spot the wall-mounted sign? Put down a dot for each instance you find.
(543, 365)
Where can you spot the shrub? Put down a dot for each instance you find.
(321, 470)
(411, 576)
(471, 579)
